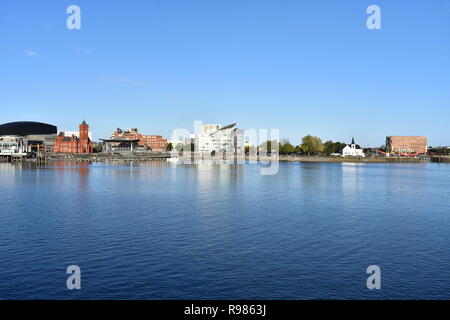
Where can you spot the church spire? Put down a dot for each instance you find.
(353, 140)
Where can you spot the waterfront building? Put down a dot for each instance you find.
(352, 150)
(214, 138)
(441, 150)
(120, 145)
(74, 144)
(148, 142)
(406, 144)
(12, 146)
(26, 137)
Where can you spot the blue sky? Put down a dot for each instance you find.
(305, 67)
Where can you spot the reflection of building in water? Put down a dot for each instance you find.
(22, 138)
(209, 177)
(351, 177)
(83, 173)
(7, 170)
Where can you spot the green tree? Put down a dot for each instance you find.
(328, 147)
(169, 146)
(338, 146)
(311, 145)
(97, 147)
(286, 148)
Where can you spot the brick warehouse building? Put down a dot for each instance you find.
(401, 144)
(152, 142)
(74, 144)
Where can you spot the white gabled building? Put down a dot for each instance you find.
(352, 150)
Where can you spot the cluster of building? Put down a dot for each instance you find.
(23, 138)
(395, 145)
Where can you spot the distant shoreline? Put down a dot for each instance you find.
(353, 159)
(104, 157)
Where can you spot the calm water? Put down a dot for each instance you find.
(156, 231)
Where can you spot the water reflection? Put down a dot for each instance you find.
(345, 179)
(228, 222)
(214, 177)
(404, 179)
(351, 177)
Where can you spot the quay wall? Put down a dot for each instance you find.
(106, 157)
(290, 158)
(102, 157)
(353, 159)
(441, 159)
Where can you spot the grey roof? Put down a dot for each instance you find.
(228, 126)
(26, 128)
(120, 140)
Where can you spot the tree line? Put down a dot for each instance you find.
(310, 145)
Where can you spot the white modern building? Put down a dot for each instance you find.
(214, 138)
(352, 150)
(209, 128)
(12, 146)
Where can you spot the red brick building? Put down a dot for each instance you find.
(74, 144)
(152, 142)
(399, 144)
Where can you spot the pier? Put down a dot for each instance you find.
(12, 158)
(440, 159)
